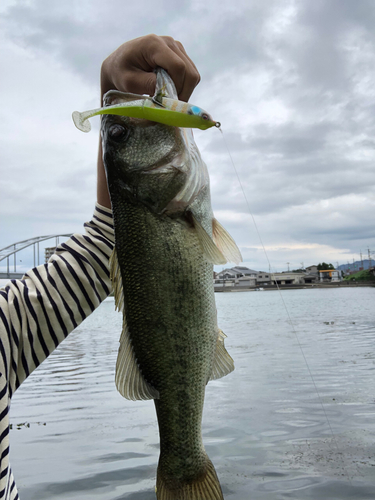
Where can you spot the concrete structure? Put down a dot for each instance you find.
(263, 279)
(311, 278)
(288, 278)
(48, 252)
(312, 269)
(247, 281)
(236, 273)
(330, 275)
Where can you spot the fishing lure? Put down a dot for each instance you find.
(157, 109)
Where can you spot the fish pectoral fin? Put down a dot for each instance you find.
(210, 250)
(116, 278)
(129, 379)
(225, 242)
(223, 363)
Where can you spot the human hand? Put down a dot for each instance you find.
(130, 67)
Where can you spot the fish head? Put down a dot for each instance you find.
(147, 162)
(150, 163)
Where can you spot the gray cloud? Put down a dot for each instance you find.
(292, 82)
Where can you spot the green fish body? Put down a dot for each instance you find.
(162, 268)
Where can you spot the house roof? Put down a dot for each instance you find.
(244, 270)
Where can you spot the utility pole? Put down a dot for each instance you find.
(369, 258)
(288, 266)
(302, 266)
(361, 260)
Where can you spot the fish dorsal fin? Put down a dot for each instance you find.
(210, 250)
(223, 363)
(225, 242)
(116, 278)
(129, 379)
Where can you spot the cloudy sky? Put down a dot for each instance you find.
(292, 83)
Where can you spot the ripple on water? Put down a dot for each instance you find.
(264, 426)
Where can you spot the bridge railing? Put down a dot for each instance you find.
(14, 248)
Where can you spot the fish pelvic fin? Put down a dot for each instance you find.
(223, 363)
(206, 487)
(225, 242)
(129, 379)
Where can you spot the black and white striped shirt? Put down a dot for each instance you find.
(40, 310)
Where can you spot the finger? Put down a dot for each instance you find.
(171, 56)
(168, 59)
(191, 75)
(183, 51)
(138, 82)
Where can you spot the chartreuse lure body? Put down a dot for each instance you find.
(157, 109)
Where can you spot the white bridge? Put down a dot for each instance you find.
(11, 250)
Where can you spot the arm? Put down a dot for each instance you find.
(39, 311)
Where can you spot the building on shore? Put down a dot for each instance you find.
(312, 270)
(330, 275)
(288, 278)
(242, 276)
(236, 273)
(263, 279)
(48, 252)
(245, 277)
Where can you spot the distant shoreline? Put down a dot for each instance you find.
(305, 286)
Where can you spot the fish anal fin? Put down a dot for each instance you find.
(223, 363)
(210, 250)
(225, 242)
(206, 487)
(129, 379)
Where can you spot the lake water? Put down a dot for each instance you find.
(271, 432)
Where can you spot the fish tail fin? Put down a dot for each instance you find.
(206, 487)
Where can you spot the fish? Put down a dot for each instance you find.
(166, 242)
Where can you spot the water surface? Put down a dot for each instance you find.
(295, 420)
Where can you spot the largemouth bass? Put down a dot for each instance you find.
(166, 241)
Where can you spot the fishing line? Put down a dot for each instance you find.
(285, 306)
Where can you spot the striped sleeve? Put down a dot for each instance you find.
(39, 311)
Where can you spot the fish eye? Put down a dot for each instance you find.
(205, 116)
(117, 132)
